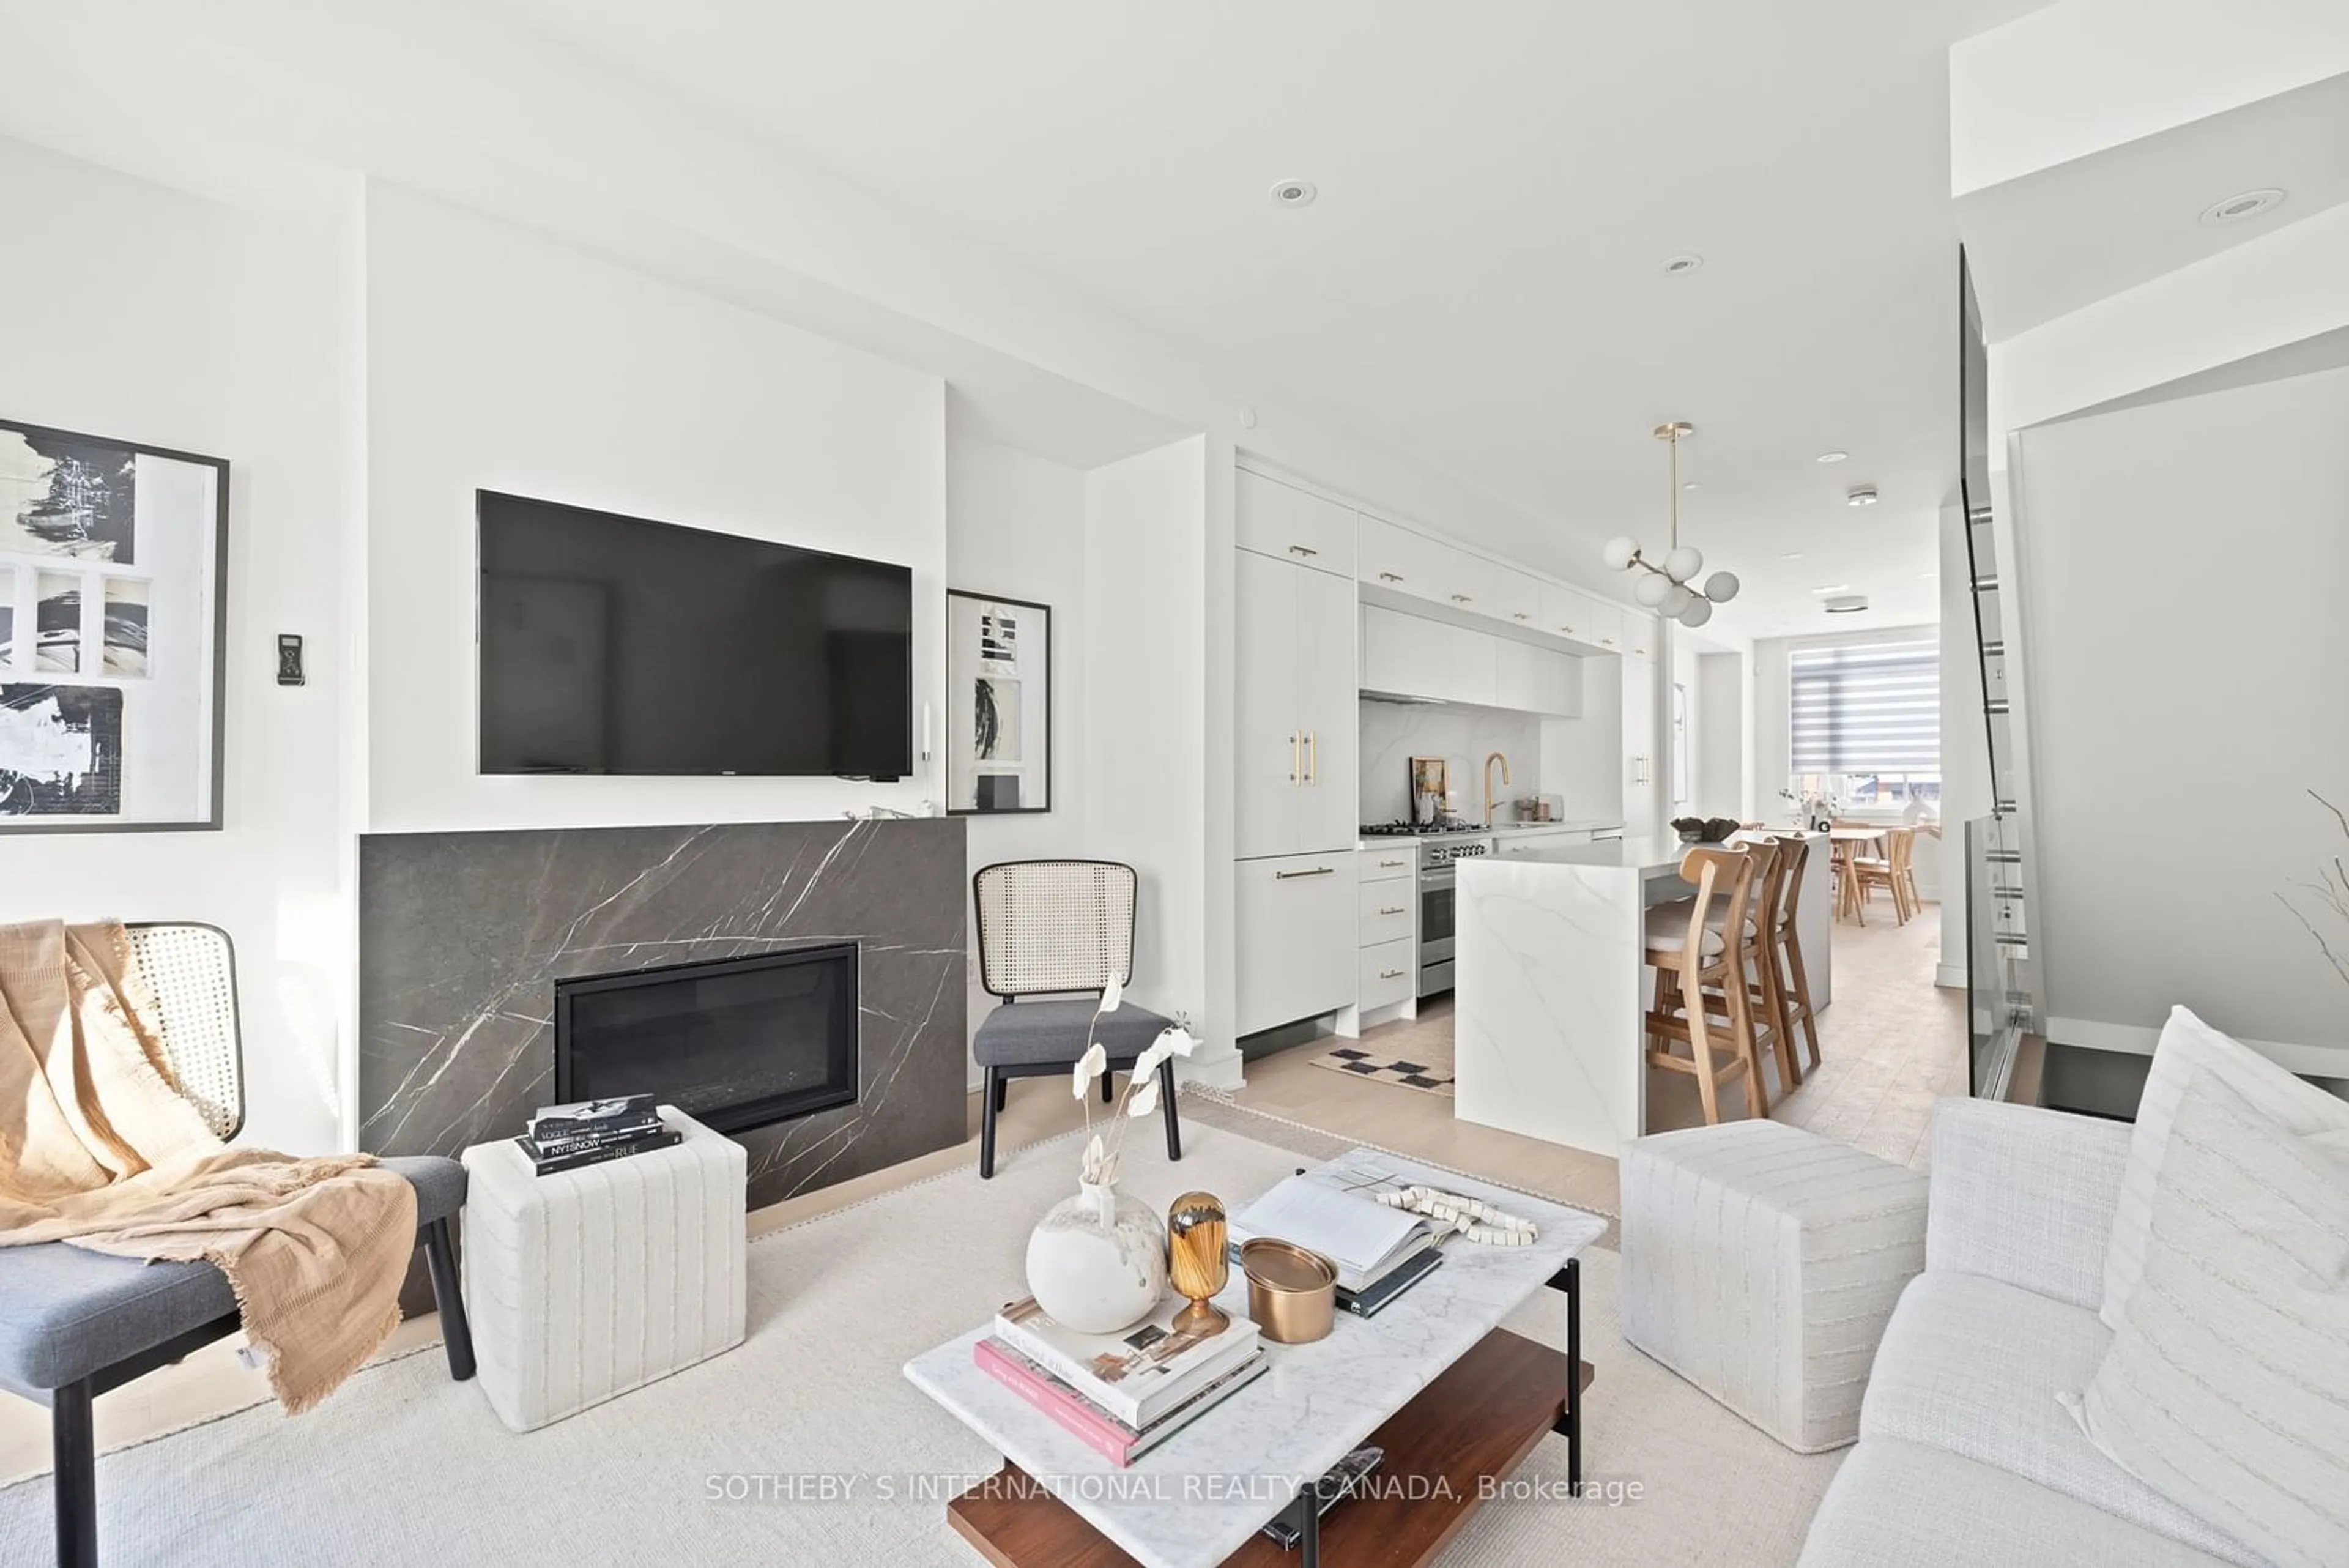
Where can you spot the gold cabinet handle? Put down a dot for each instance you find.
(1312, 756)
(1389, 974)
(1462, 600)
(1389, 862)
(1301, 550)
(1390, 576)
(1295, 765)
(1317, 871)
(1523, 616)
(1395, 910)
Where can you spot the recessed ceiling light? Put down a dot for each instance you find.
(1792, 556)
(1860, 495)
(2236, 208)
(1683, 264)
(1833, 456)
(1846, 604)
(1833, 588)
(1294, 193)
(1692, 484)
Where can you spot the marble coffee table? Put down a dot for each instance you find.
(1434, 1380)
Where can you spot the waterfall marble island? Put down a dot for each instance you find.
(1552, 983)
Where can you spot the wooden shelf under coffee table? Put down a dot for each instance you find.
(1479, 1419)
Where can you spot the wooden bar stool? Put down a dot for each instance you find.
(1774, 860)
(1695, 961)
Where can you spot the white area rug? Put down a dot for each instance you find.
(852, 1464)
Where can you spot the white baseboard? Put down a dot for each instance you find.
(2138, 1039)
(1952, 975)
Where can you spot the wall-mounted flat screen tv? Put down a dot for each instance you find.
(615, 645)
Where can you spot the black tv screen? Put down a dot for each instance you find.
(615, 645)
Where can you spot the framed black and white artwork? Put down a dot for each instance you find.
(113, 592)
(999, 704)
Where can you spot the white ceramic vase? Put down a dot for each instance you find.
(1097, 1261)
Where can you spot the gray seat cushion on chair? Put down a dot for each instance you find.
(66, 1313)
(1036, 1034)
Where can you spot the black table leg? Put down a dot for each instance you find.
(1309, 1528)
(1569, 1423)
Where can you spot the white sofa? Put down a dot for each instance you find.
(1965, 1455)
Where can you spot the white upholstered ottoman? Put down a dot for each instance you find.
(1761, 1261)
(589, 1282)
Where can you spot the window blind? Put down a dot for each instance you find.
(1868, 708)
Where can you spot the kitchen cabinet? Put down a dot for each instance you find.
(1388, 556)
(1643, 776)
(1299, 952)
(1390, 860)
(1639, 634)
(1292, 524)
(1606, 625)
(1536, 680)
(1296, 722)
(1389, 975)
(1385, 914)
(1404, 655)
(1565, 612)
(1517, 598)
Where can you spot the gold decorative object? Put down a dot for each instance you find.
(1292, 1291)
(1198, 1265)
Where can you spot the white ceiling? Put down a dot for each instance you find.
(1480, 277)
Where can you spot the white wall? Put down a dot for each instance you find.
(1394, 732)
(1016, 526)
(142, 313)
(501, 360)
(1145, 712)
(2181, 566)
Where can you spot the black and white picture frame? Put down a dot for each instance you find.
(999, 704)
(113, 603)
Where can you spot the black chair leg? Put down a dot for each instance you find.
(1166, 1105)
(994, 1093)
(456, 1333)
(75, 1444)
(1002, 1089)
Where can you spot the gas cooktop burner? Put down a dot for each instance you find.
(1416, 830)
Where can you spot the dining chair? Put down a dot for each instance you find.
(1695, 961)
(75, 1323)
(1894, 871)
(1047, 928)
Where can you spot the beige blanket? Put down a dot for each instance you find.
(98, 1149)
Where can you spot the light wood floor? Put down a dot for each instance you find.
(1891, 1044)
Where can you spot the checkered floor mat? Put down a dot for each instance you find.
(1428, 1072)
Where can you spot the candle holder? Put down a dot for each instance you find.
(1198, 1264)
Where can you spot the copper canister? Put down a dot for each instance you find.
(1292, 1293)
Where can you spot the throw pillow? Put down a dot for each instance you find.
(2226, 1387)
(2190, 1051)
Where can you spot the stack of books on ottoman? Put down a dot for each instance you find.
(1121, 1393)
(565, 1138)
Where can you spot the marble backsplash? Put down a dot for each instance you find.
(1394, 732)
(462, 935)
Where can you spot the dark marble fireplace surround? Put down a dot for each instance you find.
(463, 935)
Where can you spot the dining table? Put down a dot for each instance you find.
(1845, 843)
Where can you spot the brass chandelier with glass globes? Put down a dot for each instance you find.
(1669, 586)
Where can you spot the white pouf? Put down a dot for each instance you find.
(586, 1283)
(1761, 1262)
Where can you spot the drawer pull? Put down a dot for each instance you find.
(1389, 974)
(1462, 600)
(1396, 910)
(1389, 863)
(1301, 550)
(1317, 871)
(1390, 576)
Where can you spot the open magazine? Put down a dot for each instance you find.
(1365, 1239)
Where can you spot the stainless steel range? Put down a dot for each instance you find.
(1439, 849)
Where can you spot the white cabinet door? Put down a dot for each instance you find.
(1295, 525)
(1389, 556)
(1561, 684)
(1565, 612)
(1639, 634)
(1643, 773)
(1298, 939)
(1328, 712)
(1267, 746)
(1517, 676)
(1404, 655)
(1463, 581)
(1518, 598)
(1475, 666)
(1605, 626)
